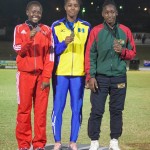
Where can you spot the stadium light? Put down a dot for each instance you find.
(120, 7)
(97, 7)
(57, 9)
(83, 10)
(92, 3)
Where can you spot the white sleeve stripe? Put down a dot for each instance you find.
(16, 46)
(52, 40)
(52, 57)
(17, 49)
(14, 43)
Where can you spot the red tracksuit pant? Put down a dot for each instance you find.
(29, 92)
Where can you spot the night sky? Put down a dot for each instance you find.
(12, 12)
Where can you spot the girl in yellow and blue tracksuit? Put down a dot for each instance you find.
(69, 73)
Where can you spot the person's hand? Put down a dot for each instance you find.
(33, 32)
(92, 83)
(69, 39)
(117, 47)
(44, 85)
(87, 84)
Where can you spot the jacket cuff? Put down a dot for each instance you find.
(123, 53)
(45, 80)
(64, 45)
(88, 77)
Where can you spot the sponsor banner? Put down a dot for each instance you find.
(10, 67)
(8, 64)
(146, 63)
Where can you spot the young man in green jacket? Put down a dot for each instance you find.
(109, 45)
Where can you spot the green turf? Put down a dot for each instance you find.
(136, 130)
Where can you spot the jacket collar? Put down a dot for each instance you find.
(31, 24)
(113, 31)
(66, 20)
(108, 27)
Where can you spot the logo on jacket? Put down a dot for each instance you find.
(81, 30)
(63, 30)
(23, 32)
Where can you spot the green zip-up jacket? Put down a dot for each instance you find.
(100, 57)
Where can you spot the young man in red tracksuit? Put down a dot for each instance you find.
(34, 45)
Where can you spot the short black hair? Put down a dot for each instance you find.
(34, 3)
(79, 1)
(109, 2)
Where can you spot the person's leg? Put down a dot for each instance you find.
(40, 112)
(25, 86)
(116, 105)
(98, 100)
(60, 86)
(76, 88)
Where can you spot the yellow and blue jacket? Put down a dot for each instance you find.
(69, 59)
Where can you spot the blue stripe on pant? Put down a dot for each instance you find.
(61, 85)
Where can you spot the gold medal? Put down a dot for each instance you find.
(121, 42)
(72, 34)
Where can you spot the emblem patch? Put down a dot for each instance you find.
(121, 85)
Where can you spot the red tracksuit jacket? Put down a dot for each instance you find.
(34, 55)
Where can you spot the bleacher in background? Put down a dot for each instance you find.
(8, 55)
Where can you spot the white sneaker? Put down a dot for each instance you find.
(114, 145)
(94, 145)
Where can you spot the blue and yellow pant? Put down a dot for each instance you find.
(61, 86)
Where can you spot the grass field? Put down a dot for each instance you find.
(136, 130)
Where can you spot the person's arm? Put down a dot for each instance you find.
(129, 52)
(91, 56)
(48, 62)
(89, 30)
(20, 46)
(59, 46)
(90, 62)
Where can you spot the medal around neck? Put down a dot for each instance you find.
(72, 34)
(37, 29)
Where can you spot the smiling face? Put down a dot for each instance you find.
(110, 13)
(34, 13)
(72, 8)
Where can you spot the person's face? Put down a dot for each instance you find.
(72, 8)
(109, 13)
(34, 13)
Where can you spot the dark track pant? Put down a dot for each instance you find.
(116, 88)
